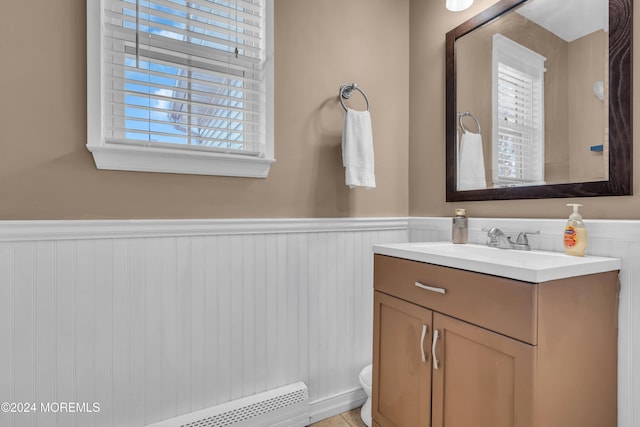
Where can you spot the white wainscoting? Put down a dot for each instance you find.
(152, 319)
(619, 239)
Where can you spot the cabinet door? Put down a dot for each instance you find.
(401, 394)
(483, 379)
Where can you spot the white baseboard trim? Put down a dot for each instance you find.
(329, 406)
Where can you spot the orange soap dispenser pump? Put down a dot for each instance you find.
(575, 233)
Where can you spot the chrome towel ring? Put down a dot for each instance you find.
(345, 93)
(466, 113)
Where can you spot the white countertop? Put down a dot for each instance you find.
(528, 266)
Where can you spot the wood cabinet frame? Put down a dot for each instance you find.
(559, 370)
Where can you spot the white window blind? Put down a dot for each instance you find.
(184, 76)
(518, 112)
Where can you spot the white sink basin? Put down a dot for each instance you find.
(528, 266)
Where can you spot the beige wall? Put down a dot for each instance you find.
(47, 173)
(430, 21)
(587, 114)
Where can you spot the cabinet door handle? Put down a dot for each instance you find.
(424, 334)
(431, 288)
(436, 334)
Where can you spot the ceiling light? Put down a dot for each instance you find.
(458, 5)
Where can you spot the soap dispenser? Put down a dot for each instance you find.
(460, 227)
(575, 233)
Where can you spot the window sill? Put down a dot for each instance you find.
(166, 160)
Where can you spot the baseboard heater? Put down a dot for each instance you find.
(286, 406)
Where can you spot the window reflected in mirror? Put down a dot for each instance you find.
(537, 76)
(529, 81)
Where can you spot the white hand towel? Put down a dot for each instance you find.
(471, 175)
(357, 149)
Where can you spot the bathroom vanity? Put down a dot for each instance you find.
(471, 336)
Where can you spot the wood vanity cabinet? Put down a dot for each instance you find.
(454, 348)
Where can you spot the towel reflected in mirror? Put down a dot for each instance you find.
(471, 174)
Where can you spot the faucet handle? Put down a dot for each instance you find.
(494, 235)
(491, 230)
(522, 237)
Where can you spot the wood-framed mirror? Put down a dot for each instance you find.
(486, 127)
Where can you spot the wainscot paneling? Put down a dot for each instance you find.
(619, 239)
(153, 319)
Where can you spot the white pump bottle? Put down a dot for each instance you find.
(575, 233)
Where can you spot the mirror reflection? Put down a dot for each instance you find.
(532, 97)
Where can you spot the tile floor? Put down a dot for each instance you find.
(346, 419)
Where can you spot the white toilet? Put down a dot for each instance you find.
(365, 382)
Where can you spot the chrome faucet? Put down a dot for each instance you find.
(497, 239)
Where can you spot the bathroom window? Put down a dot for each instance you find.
(181, 86)
(518, 114)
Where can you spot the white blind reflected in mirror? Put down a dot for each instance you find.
(518, 114)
